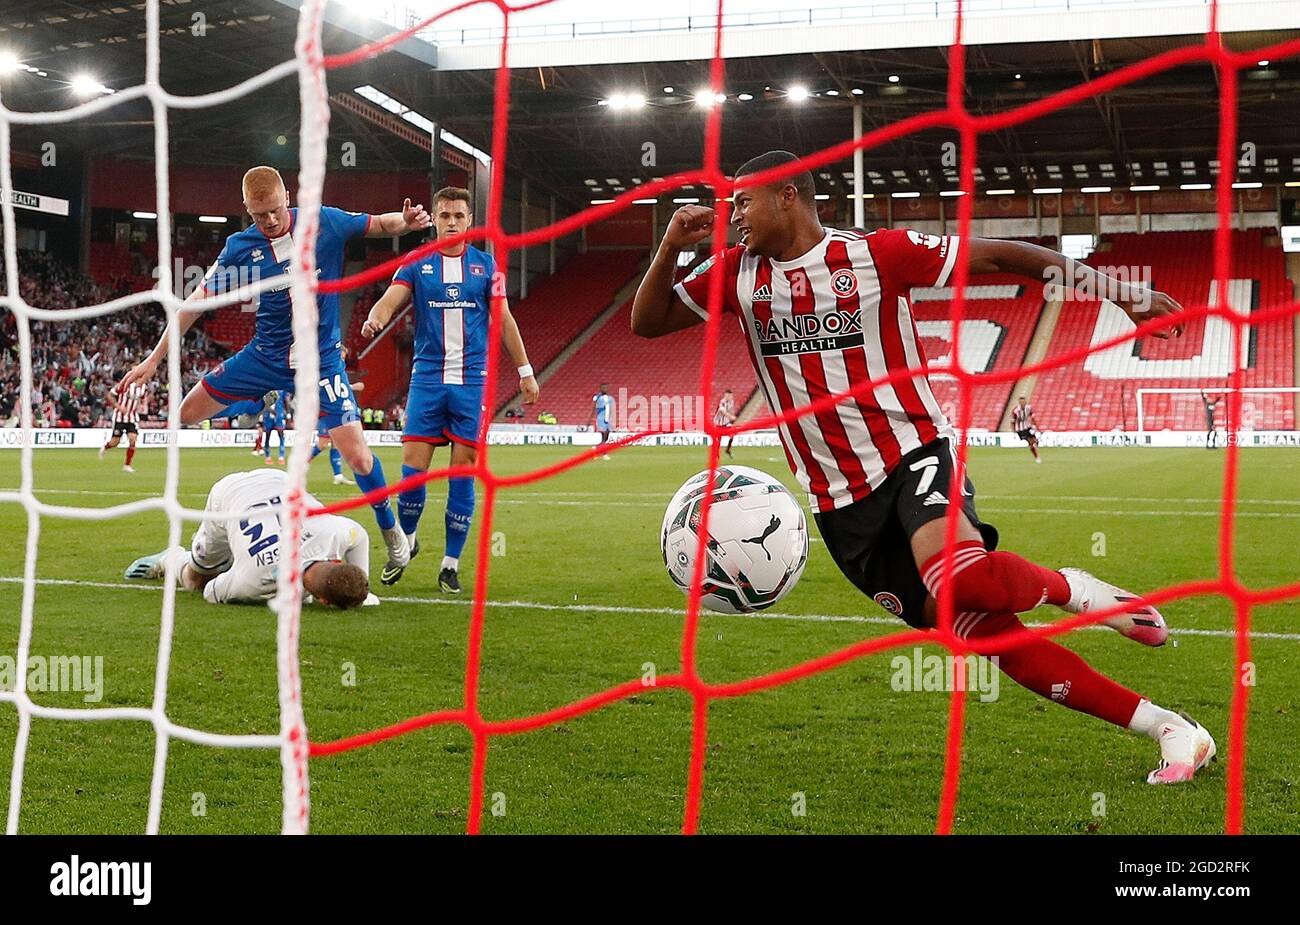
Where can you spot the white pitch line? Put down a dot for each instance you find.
(553, 498)
(649, 611)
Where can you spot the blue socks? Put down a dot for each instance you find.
(368, 483)
(336, 458)
(460, 510)
(410, 503)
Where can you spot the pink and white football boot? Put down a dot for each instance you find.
(1184, 750)
(1139, 621)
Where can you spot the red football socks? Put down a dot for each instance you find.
(995, 582)
(1052, 671)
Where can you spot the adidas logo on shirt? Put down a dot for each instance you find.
(935, 497)
(763, 294)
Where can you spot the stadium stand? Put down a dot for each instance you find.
(560, 307)
(997, 323)
(232, 325)
(1100, 395)
(1000, 319)
(74, 365)
(648, 369)
(108, 262)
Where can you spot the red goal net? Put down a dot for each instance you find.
(969, 127)
(311, 66)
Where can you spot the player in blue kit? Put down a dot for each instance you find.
(323, 442)
(323, 445)
(602, 413)
(272, 420)
(451, 293)
(264, 249)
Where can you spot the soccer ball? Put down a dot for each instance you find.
(757, 544)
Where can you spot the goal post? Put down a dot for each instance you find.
(1183, 409)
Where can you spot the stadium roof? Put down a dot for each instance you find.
(1161, 131)
(205, 46)
(594, 32)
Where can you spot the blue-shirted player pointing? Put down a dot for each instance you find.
(451, 293)
(264, 249)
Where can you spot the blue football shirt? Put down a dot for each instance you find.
(451, 298)
(249, 255)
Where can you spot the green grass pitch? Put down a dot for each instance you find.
(579, 601)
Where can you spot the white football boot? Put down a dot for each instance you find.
(1139, 621)
(1184, 750)
(399, 554)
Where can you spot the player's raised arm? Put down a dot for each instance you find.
(657, 310)
(389, 304)
(514, 344)
(388, 224)
(1045, 265)
(143, 371)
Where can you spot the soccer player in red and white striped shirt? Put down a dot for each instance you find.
(1025, 424)
(725, 416)
(824, 311)
(126, 417)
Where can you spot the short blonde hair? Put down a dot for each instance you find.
(260, 182)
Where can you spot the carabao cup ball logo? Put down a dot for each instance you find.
(844, 282)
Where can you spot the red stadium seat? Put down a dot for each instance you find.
(560, 307)
(666, 367)
(1103, 397)
(995, 336)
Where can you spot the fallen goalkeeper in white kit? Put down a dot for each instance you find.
(234, 561)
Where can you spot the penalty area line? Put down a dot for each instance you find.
(648, 611)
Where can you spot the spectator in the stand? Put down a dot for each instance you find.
(74, 363)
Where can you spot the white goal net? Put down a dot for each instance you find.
(291, 738)
(1202, 410)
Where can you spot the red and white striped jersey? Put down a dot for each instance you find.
(1021, 416)
(129, 405)
(726, 410)
(836, 317)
